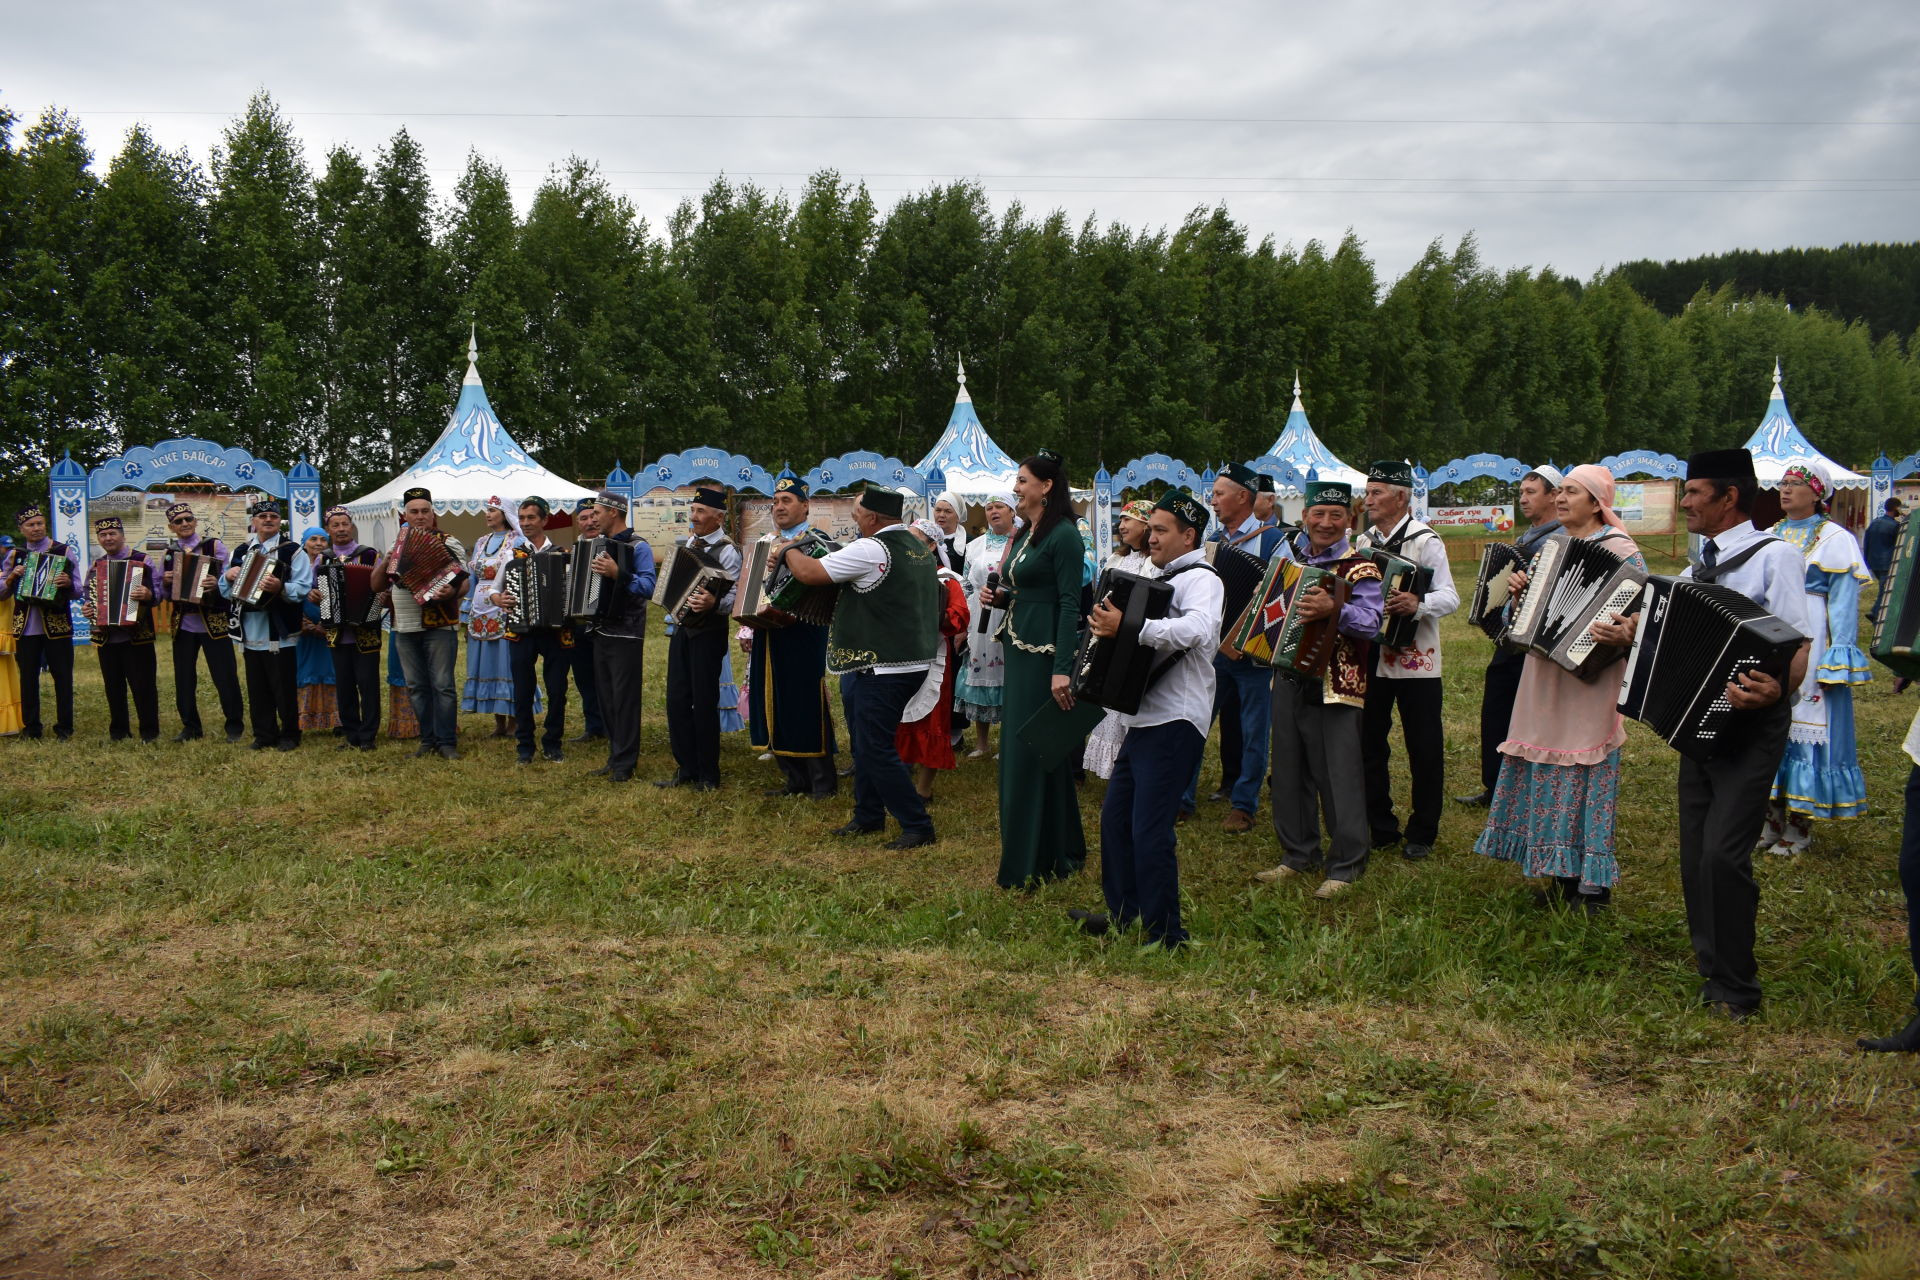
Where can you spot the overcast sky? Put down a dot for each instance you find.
(1569, 135)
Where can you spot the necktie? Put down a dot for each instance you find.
(1708, 553)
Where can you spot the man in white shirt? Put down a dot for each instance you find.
(1723, 800)
(270, 628)
(698, 651)
(1408, 678)
(885, 629)
(1139, 866)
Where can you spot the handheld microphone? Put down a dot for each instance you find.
(993, 588)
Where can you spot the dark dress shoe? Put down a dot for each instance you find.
(675, 781)
(186, 736)
(235, 735)
(1385, 842)
(822, 795)
(1905, 1040)
(1730, 1011)
(286, 744)
(421, 751)
(262, 746)
(601, 772)
(449, 752)
(1479, 799)
(620, 775)
(855, 829)
(774, 793)
(554, 754)
(1092, 923)
(704, 786)
(910, 840)
(365, 746)
(524, 757)
(588, 737)
(1416, 852)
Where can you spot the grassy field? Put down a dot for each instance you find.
(330, 1013)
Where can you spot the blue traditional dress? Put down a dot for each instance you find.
(489, 686)
(313, 675)
(980, 686)
(1820, 775)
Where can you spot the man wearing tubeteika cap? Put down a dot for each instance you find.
(1406, 679)
(885, 629)
(620, 636)
(1242, 697)
(270, 627)
(125, 650)
(200, 626)
(787, 672)
(1537, 490)
(586, 524)
(698, 650)
(43, 628)
(1723, 801)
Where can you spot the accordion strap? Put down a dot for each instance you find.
(1165, 664)
(1721, 568)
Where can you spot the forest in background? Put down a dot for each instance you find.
(263, 302)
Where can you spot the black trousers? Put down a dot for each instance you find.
(1226, 709)
(1496, 710)
(356, 692)
(221, 667)
(1723, 801)
(694, 658)
(131, 668)
(1425, 738)
(618, 665)
(542, 645)
(1139, 861)
(57, 654)
(882, 783)
(586, 680)
(809, 775)
(273, 696)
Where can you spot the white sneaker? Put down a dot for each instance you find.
(1332, 888)
(766, 755)
(976, 755)
(1271, 874)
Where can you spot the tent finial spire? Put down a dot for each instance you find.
(1297, 406)
(961, 362)
(1777, 393)
(473, 357)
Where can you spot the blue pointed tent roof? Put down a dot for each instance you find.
(965, 454)
(473, 459)
(1777, 443)
(1302, 450)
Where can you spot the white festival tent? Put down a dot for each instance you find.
(473, 459)
(1302, 450)
(1777, 444)
(971, 464)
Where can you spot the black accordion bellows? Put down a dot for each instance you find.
(538, 585)
(1114, 672)
(1572, 584)
(1693, 639)
(590, 596)
(1241, 575)
(1498, 561)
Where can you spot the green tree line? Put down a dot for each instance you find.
(262, 302)
(1876, 283)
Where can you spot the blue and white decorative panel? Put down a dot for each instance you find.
(1644, 462)
(677, 470)
(1477, 466)
(862, 467)
(146, 467)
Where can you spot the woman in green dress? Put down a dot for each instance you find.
(1040, 835)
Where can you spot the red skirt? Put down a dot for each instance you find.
(929, 740)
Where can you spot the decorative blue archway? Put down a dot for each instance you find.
(1478, 466)
(1884, 473)
(1154, 468)
(862, 465)
(678, 470)
(1644, 462)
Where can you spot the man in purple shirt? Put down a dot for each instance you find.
(125, 649)
(201, 625)
(43, 630)
(1316, 722)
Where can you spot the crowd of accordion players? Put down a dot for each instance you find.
(1305, 643)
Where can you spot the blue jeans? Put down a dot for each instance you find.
(881, 782)
(426, 658)
(1139, 869)
(1254, 685)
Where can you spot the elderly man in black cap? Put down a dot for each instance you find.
(620, 635)
(1242, 700)
(698, 651)
(200, 626)
(270, 627)
(885, 630)
(127, 660)
(1537, 490)
(1409, 678)
(1723, 801)
(43, 625)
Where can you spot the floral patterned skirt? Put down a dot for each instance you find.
(319, 709)
(1556, 819)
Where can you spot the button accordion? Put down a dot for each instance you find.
(425, 564)
(250, 588)
(347, 597)
(1273, 635)
(691, 572)
(1488, 611)
(770, 596)
(1896, 614)
(537, 582)
(38, 571)
(590, 596)
(1397, 573)
(1573, 584)
(1692, 639)
(1114, 672)
(111, 592)
(1241, 575)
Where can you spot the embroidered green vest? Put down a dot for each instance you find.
(898, 621)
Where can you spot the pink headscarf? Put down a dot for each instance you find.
(1598, 481)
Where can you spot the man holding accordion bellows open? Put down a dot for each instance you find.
(1726, 778)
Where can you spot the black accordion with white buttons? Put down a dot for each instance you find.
(1488, 610)
(1691, 640)
(1572, 584)
(1114, 672)
(537, 582)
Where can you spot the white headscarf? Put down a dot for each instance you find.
(932, 533)
(955, 501)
